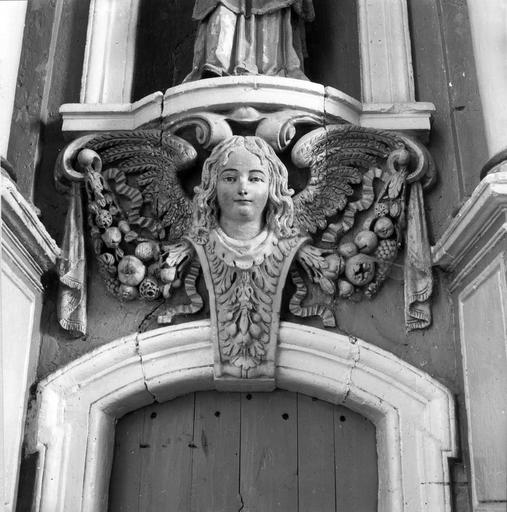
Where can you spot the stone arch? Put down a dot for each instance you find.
(79, 405)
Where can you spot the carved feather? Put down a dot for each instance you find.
(338, 158)
(150, 160)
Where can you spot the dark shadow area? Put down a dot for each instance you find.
(164, 45)
(27, 475)
(333, 46)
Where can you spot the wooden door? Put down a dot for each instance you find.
(254, 452)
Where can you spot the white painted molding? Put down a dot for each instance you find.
(86, 117)
(23, 232)
(26, 251)
(262, 92)
(488, 23)
(108, 68)
(386, 60)
(12, 24)
(79, 405)
(486, 207)
(484, 356)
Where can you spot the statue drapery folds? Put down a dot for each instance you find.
(250, 37)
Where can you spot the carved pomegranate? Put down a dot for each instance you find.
(103, 219)
(131, 270)
(149, 289)
(360, 269)
(366, 241)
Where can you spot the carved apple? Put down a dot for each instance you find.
(334, 266)
(345, 289)
(123, 226)
(131, 270)
(366, 241)
(112, 237)
(127, 292)
(360, 269)
(347, 249)
(384, 227)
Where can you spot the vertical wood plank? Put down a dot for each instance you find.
(466, 108)
(268, 474)
(431, 82)
(166, 456)
(316, 455)
(126, 471)
(355, 462)
(215, 467)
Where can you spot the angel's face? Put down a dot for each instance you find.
(242, 188)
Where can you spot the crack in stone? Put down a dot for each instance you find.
(148, 316)
(357, 357)
(138, 351)
(242, 503)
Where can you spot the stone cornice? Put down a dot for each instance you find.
(259, 92)
(23, 231)
(486, 207)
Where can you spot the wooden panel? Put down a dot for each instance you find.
(126, 472)
(355, 462)
(269, 451)
(215, 473)
(255, 452)
(315, 455)
(166, 454)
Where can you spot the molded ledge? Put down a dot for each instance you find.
(265, 93)
(22, 229)
(479, 225)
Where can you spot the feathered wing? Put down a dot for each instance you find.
(343, 161)
(140, 171)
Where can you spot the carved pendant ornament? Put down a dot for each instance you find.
(358, 203)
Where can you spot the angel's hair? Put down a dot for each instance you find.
(280, 209)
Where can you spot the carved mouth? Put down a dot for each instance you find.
(242, 201)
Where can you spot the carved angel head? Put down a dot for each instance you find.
(278, 214)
